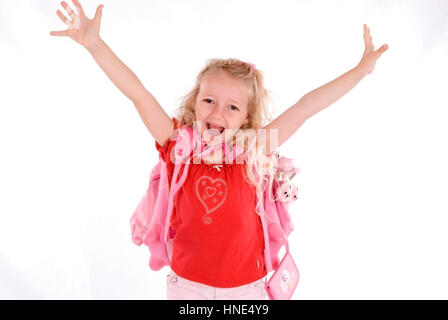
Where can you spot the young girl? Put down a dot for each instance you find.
(217, 252)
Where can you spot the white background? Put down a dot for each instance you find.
(75, 158)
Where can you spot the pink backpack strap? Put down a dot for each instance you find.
(175, 186)
(267, 249)
(264, 223)
(183, 148)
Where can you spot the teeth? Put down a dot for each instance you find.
(214, 132)
(216, 127)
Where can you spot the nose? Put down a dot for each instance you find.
(217, 113)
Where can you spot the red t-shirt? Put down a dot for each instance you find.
(219, 237)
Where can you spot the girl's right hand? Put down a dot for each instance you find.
(83, 30)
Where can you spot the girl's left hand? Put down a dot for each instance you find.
(368, 60)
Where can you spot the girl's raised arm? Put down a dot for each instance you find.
(85, 31)
(313, 102)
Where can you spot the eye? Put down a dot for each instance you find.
(234, 108)
(208, 100)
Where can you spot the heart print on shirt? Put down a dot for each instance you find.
(211, 193)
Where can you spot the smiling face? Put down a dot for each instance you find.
(221, 103)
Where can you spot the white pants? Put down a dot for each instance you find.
(179, 288)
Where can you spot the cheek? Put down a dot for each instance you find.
(200, 112)
(200, 117)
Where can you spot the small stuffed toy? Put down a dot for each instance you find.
(284, 172)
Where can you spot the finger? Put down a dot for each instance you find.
(99, 12)
(368, 42)
(366, 34)
(382, 49)
(366, 31)
(59, 33)
(78, 7)
(368, 38)
(69, 10)
(63, 18)
(378, 52)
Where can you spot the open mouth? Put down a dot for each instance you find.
(214, 129)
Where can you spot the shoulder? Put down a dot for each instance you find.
(165, 149)
(180, 138)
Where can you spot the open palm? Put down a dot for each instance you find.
(83, 30)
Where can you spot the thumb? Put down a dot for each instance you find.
(382, 49)
(99, 12)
